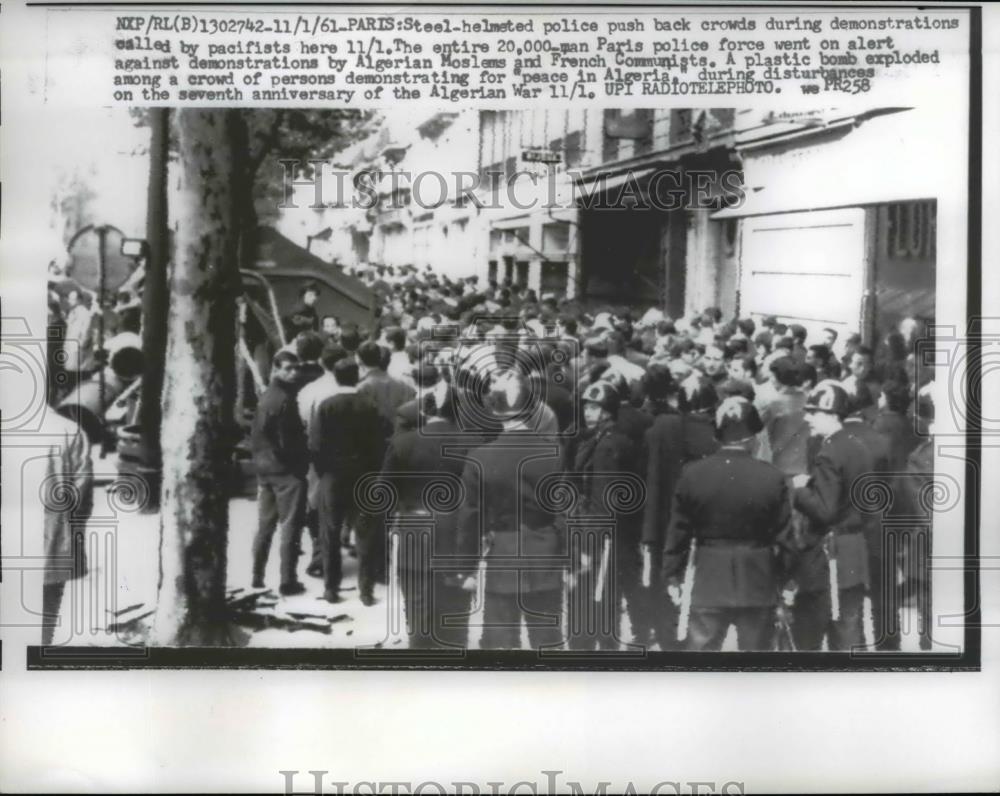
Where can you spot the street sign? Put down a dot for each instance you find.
(541, 156)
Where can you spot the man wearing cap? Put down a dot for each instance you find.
(831, 561)
(604, 572)
(735, 509)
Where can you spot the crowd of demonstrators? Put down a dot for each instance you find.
(746, 438)
(75, 315)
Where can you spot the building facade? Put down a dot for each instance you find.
(806, 216)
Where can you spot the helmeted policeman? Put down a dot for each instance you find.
(608, 565)
(881, 566)
(831, 562)
(523, 538)
(671, 442)
(427, 481)
(729, 512)
(916, 553)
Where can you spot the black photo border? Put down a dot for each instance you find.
(969, 659)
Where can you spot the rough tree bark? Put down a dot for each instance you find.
(155, 299)
(198, 434)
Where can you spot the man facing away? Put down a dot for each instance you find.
(278, 443)
(345, 443)
(782, 412)
(735, 509)
(309, 399)
(416, 463)
(523, 537)
(672, 441)
(386, 394)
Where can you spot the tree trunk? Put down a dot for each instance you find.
(198, 434)
(155, 299)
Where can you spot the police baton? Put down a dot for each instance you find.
(831, 557)
(477, 582)
(602, 574)
(647, 566)
(687, 588)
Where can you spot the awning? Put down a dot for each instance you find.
(601, 183)
(511, 223)
(885, 159)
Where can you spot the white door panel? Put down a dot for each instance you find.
(805, 268)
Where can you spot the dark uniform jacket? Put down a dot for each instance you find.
(902, 438)
(277, 436)
(428, 484)
(560, 400)
(671, 442)
(510, 504)
(876, 442)
(601, 459)
(919, 471)
(827, 503)
(880, 447)
(346, 438)
(736, 508)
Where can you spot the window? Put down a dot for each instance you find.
(680, 125)
(491, 273)
(522, 273)
(510, 168)
(490, 176)
(644, 117)
(912, 230)
(574, 149)
(609, 150)
(571, 149)
(555, 278)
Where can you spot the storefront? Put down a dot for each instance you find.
(838, 229)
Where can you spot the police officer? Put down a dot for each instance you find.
(417, 466)
(671, 442)
(831, 562)
(732, 509)
(609, 565)
(917, 550)
(881, 563)
(523, 535)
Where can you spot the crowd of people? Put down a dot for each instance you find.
(77, 322)
(575, 469)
